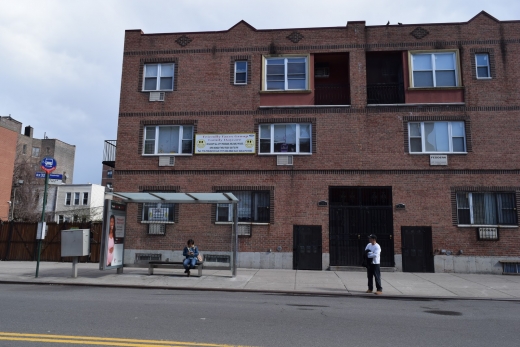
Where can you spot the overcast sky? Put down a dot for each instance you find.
(60, 68)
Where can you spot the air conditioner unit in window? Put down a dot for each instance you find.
(244, 230)
(284, 160)
(156, 96)
(166, 161)
(156, 229)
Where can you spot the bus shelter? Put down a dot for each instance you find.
(117, 208)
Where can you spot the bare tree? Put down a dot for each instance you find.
(25, 194)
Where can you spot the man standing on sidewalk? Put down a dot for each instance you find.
(373, 251)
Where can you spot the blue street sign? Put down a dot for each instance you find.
(51, 176)
(48, 164)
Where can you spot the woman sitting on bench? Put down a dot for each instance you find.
(190, 252)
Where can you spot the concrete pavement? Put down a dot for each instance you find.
(349, 283)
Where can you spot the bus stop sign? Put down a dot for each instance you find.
(48, 164)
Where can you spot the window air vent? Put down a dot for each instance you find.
(244, 229)
(284, 160)
(156, 229)
(156, 96)
(166, 161)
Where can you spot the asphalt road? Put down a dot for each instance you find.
(61, 315)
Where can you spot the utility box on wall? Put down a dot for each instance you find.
(75, 242)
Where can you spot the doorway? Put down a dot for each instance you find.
(307, 250)
(417, 249)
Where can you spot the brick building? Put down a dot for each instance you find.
(327, 135)
(9, 130)
(21, 155)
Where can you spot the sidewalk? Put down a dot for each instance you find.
(395, 284)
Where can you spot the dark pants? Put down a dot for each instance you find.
(374, 270)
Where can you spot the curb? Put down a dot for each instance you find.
(258, 291)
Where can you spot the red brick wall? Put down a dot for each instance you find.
(355, 146)
(8, 140)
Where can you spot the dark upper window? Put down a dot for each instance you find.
(240, 72)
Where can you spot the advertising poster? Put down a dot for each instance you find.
(112, 240)
(225, 143)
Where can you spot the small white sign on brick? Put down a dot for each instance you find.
(438, 159)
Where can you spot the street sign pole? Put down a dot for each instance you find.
(42, 220)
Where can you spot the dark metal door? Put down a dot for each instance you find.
(355, 213)
(417, 249)
(307, 252)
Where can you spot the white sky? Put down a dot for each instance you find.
(60, 60)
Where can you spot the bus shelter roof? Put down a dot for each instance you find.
(178, 198)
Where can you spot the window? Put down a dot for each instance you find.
(486, 208)
(175, 139)
(437, 137)
(24, 149)
(252, 207)
(282, 138)
(60, 219)
(240, 72)
(110, 173)
(482, 64)
(85, 198)
(76, 198)
(286, 73)
(35, 151)
(48, 150)
(158, 212)
(434, 69)
(158, 77)
(68, 196)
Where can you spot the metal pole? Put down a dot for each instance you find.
(235, 241)
(42, 220)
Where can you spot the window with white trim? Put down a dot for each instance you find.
(158, 212)
(432, 70)
(35, 151)
(158, 77)
(68, 197)
(76, 198)
(253, 207)
(292, 138)
(240, 72)
(482, 65)
(493, 208)
(437, 137)
(85, 198)
(168, 139)
(286, 73)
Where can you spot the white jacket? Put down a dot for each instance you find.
(375, 251)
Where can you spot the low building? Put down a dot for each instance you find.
(73, 202)
(327, 135)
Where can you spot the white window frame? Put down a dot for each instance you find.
(158, 77)
(488, 66)
(85, 198)
(423, 138)
(471, 210)
(35, 152)
(272, 152)
(286, 58)
(68, 199)
(156, 152)
(76, 198)
(432, 54)
(237, 72)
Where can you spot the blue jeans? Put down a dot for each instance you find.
(189, 263)
(374, 270)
